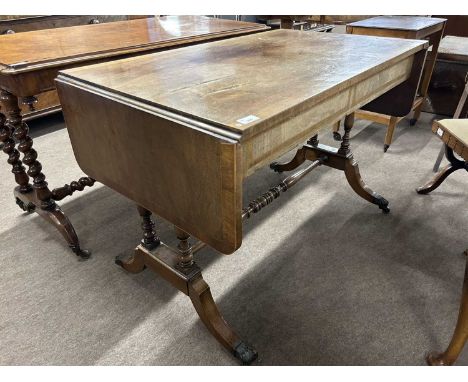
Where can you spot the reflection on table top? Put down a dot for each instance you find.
(240, 82)
(50, 47)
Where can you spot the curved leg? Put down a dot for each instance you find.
(455, 164)
(133, 264)
(357, 184)
(54, 216)
(202, 300)
(460, 335)
(298, 159)
(437, 180)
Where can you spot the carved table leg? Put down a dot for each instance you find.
(455, 164)
(357, 184)
(40, 200)
(7, 125)
(460, 335)
(298, 159)
(177, 267)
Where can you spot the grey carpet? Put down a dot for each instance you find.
(322, 277)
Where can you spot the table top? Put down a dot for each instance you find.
(406, 23)
(53, 47)
(240, 83)
(454, 48)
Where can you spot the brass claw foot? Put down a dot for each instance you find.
(385, 148)
(413, 121)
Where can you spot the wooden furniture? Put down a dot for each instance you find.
(408, 27)
(29, 63)
(455, 50)
(201, 123)
(47, 102)
(449, 77)
(454, 134)
(460, 335)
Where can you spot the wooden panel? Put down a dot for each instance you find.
(297, 127)
(183, 174)
(53, 47)
(270, 76)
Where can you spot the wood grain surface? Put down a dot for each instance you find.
(53, 47)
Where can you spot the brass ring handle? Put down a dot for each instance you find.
(94, 21)
(8, 31)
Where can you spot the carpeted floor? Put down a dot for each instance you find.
(322, 277)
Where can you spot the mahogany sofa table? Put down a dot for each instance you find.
(29, 63)
(407, 27)
(204, 118)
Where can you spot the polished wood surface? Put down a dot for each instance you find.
(180, 97)
(178, 132)
(21, 83)
(54, 47)
(305, 61)
(48, 102)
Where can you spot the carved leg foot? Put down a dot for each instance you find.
(54, 216)
(26, 207)
(437, 180)
(298, 159)
(133, 264)
(460, 335)
(202, 300)
(357, 184)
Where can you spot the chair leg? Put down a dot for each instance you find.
(439, 159)
(390, 131)
(460, 335)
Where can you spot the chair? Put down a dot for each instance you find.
(454, 134)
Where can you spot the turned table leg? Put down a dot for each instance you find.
(460, 335)
(178, 267)
(37, 198)
(8, 120)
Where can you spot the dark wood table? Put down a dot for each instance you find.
(408, 27)
(204, 118)
(29, 63)
(48, 102)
